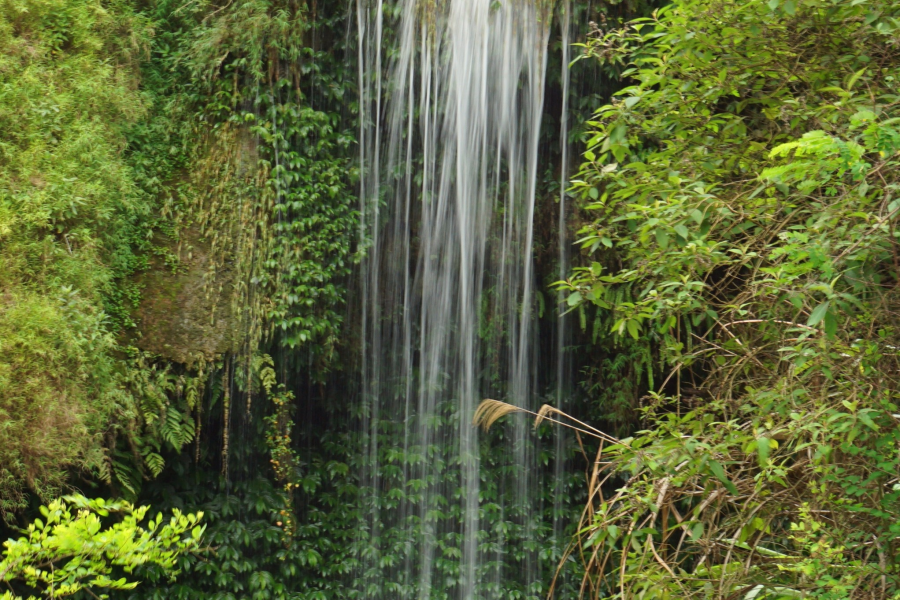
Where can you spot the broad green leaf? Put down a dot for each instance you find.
(854, 78)
(633, 328)
(818, 314)
(697, 215)
(719, 472)
(662, 238)
(762, 449)
(866, 418)
(574, 298)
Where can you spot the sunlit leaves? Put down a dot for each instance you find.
(71, 547)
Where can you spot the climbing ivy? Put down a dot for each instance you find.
(271, 178)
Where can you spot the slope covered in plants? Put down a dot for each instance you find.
(742, 197)
(73, 222)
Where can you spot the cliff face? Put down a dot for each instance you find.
(186, 307)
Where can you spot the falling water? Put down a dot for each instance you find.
(452, 96)
(562, 375)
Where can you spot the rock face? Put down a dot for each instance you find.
(185, 309)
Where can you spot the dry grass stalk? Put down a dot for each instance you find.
(490, 411)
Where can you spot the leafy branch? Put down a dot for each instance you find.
(71, 548)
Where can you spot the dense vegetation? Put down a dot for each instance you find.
(742, 197)
(74, 224)
(126, 137)
(69, 549)
(736, 305)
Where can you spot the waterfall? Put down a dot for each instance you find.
(562, 375)
(451, 103)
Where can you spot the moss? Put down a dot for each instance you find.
(55, 393)
(70, 219)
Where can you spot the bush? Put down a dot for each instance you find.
(743, 192)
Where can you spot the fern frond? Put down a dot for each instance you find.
(126, 475)
(177, 429)
(155, 463)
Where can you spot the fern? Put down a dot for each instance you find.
(177, 430)
(154, 463)
(126, 474)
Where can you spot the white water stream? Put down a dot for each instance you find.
(452, 97)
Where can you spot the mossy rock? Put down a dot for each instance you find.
(185, 309)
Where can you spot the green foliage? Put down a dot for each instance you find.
(270, 170)
(312, 178)
(70, 548)
(74, 224)
(68, 204)
(258, 553)
(254, 554)
(743, 196)
(92, 165)
(421, 492)
(51, 423)
(156, 411)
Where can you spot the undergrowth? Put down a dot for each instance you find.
(743, 202)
